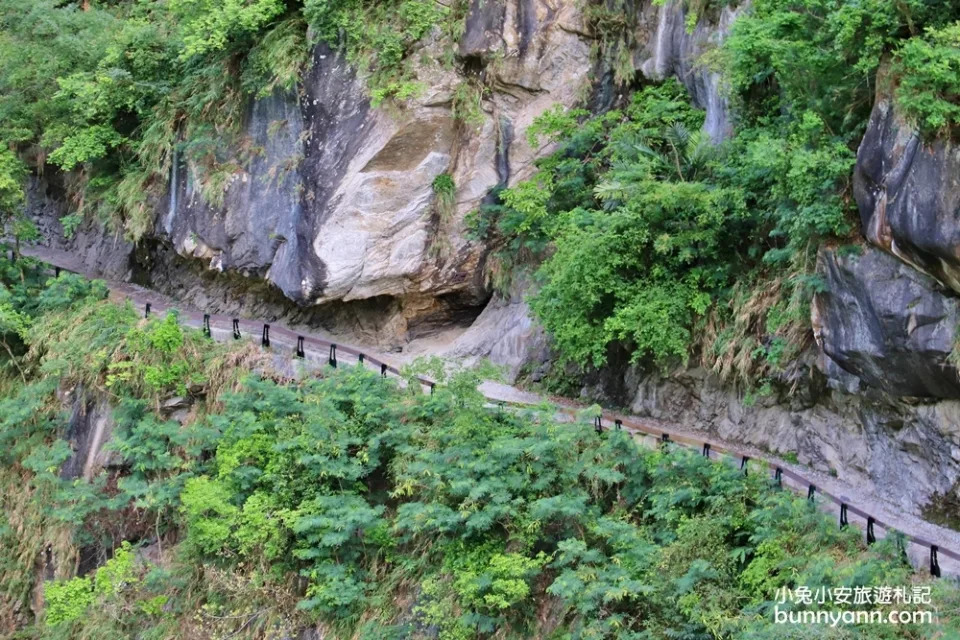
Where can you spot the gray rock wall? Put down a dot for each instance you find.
(903, 451)
(908, 192)
(887, 324)
(94, 248)
(672, 50)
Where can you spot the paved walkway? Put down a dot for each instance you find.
(861, 506)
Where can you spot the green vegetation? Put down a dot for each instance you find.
(653, 242)
(68, 600)
(927, 69)
(446, 192)
(239, 503)
(348, 501)
(115, 90)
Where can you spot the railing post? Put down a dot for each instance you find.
(664, 442)
(265, 339)
(843, 515)
(206, 324)
(871, 536)
(300, 352)
(934, 563)
(333, 356)
(236, 329)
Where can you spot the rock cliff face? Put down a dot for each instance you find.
(887, 324)
(672, 50)
(891, 320)
(340, 204)
(877, 404)
(336, 203)
(877, 400)
(908, 192)
(904, 451)
(335, 221)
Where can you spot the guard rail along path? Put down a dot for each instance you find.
(304, 345)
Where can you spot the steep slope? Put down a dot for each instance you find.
(357, 219)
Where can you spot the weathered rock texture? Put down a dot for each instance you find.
(908, 192)
(506, 334)
(340, 204)
(884, 322)
(905, 452)
(672, 50)
(89, 429)
(93, 248)
(336, 201)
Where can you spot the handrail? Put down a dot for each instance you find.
(208, 322)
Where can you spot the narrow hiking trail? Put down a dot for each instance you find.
(861, 505)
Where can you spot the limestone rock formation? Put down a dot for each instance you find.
(884, 322)
(672, 50)
(906, 452)
(90, 428)
(506, 334)
(908, 192)
(334, 200)
(340, 204)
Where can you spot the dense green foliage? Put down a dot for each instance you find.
(350, 501)
(116, 93)
(687, 234)
(657, 243)
(240, 503)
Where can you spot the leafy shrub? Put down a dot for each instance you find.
(209, 26)
(446, 192)
(68, 600)
(68, 289)
(644, 232)
(928, 70)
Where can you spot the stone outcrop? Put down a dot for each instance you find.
(334, 202)
(673, 50)
(906, 452)
(93, 248)
(339, 204)
(507, 335)
(908, 192)
(886, 324)
(88, 430)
